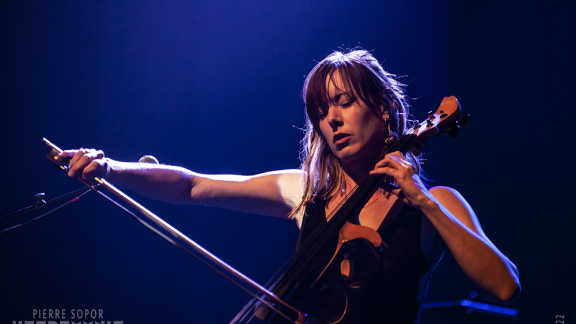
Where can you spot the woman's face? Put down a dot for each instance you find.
(353, 132)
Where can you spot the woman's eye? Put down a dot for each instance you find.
(347, 103)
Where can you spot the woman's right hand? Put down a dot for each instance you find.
(86, 162)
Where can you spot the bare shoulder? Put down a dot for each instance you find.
(447, 194)
(290, 184)
(452, 200)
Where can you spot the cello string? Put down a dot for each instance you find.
(275, 279)
(311, 238)
(243, 313)
(305, 244)
(279, 273)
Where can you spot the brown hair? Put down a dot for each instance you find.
(362, 76)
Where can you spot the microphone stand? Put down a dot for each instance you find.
(41, 203)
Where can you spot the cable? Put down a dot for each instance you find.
(50, 212)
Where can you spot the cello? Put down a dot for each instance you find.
(335, 264)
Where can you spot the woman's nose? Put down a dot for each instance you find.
(334, 117)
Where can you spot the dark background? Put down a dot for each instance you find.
(215, 86)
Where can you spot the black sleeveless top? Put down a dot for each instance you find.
(393, 295)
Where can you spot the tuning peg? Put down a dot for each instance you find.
(462, 122)
(430, 114)
(443, 114)
(452, 129)
(429, 123)
(455, 126)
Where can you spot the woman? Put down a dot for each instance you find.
(355, 111)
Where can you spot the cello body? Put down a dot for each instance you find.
(334, 283)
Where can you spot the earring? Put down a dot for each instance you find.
(387, 143)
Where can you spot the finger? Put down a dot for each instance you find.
(80, 162)
(401, 161)
(73, 167)
(398, 161)
(67, 154)
(388, 161)
(92, 170)
(79, 154)
(93, 154)
(385, 161)
(99, 154)
(398, 154)
(387, 171)
(89, 164)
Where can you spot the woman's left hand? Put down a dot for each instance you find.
(397, 170)
(492, 273)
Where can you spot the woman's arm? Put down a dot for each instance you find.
(492, 273)
(272, 194)
(495, 277)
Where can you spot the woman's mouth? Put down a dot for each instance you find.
(341, 139)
